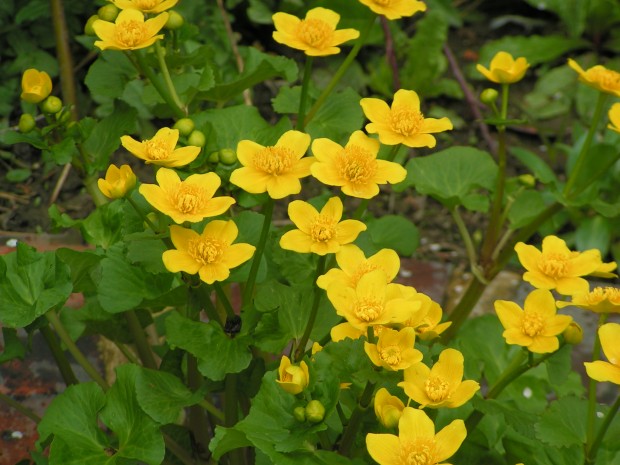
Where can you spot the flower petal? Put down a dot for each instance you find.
(449, 439)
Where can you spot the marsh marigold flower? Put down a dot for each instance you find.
(316, 35)
(598, 300)
(292, 378)
(557, 267)
(129, 31)
(598, 77)
(355, 166)
(388, 408)
(211, 254)
(394, 349)
(614, 117)
(395, 9)
(536, 326)
(161, 149)
(440, 386)
(117, 182)
(190, 200)
(607, 371)
(416, 442)
(319, 233)
(36, 86)
(427, 323)
(372, 302)
(504, 69)
(145, 6)
(402, 123)
(354, 264)
(274, 169)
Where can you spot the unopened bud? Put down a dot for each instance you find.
(573, 334)
(175, 20)
(228, 156)
(300, 414)
(26, 123)
(88, 27)
(185, 126)
(527, 180)
(315, 411)
(108, 12)
(197, 139)
(51, 105)
(489, 96)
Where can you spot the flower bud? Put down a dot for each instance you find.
(388, 408)
(527, 180)
(26, 123)
(108, 12)
(175, 20)
(315, 411)
(292, 378)
(88, 27)
(51, 105)
(228, 156)
(573, 334)
(300, 414)
(214, 157)
(117, 182)
(488, 96)
(197, 139)
(36, 85)
(185, 126)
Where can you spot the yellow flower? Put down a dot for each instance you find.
(211, 254)
(129, 31)
(292, 378)
(345, 330)
(614, 117)
(316, 35)
(273, 169)
(36, 85)
(598, 77)
(145, 6)
(402, 123)
(117, 182)
(557, 267)
(388, 408)
(355, 167)
(354, 264)
(504, 69)
(416, 442)
(599, 300)
(429, 326)
(160, 149)
(394, 349)
(319, 233)
(607, 371)
(534, 327)
(395, 9)
(372, 302)
(442, 385)
(190, 200)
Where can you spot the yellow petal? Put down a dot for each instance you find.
(296, 141)
(449, 367)
(297, 241)
(544, 345)
(237, 254)
(302, 214)
(225, 231)
(383, 448)
(330, 17)
(180, 237)
(610, 341)
(285, 23)
(415, 424)
(177, 260)
(449, 439)
(281, 186)
(375, 109)
(528, 255)
(325, 149)
(333, 209)
(509, 313)
(463, 393)
(406, 100)
(250, 179)
(603, 371)
(348, 230)
(540, 301)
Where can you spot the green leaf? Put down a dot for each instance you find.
(103, 226)
(82, 263)
(13, 347)
(14, 137)
(559, 366)
(394, 232)
(18, 175)
(594, 233)
(338, 117)
(147, 253)
(538, 167)
(451, 175)
(31, 283)
(200, 339)
(563, 425)
(108, 75)
(525, 208)
(518, 419)
(573, 14)
(63, 152)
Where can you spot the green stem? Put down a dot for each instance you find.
(201, 296)
(593, 450)
(301, 114)
(361, 209)
(79, 357)
(139, 338)
(197, 418)
(316, 299)
(127, 353)
(596, 355)
(146, 70)
(19, 407)
(223, 298)
(212, 409)
(64, 57)
(145, 218)
(178, 451)
(583, 154)
(90, 182)
(469, 243)
(159, 50)
(248, 291)
(350, 430)
(340, 72)
(59, 356)
(231, 414)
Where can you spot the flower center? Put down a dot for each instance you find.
(189, 198)
(205, 250)
(532, 324)
(156, 149)
(274, 160)
(391, 355)
(406, 122)
(554, 265)
(607, 78)
(322, 229)
(356, 165)
(146, 4)
(315, 32)
(130, 33)
(368, 310)
(419, 452)
(436, 388)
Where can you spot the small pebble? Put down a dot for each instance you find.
(11, 243)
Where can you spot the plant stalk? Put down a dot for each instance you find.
(316, 299)
(19, 407)
(301, 114)
(593, 449)
(59, 356)
(596, 355)
(248, 291)
(350, 430)
(139, 338)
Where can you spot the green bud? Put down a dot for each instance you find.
(175, 20)
(26, 123)
(214, 157)
(527, 180)
(573, 334)
(108, 12)
(228, 156)
(185, 126)
(197, 139)
(88, 27)
(315, 411)
(51, 105)
(488, 96)
(300, 414)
